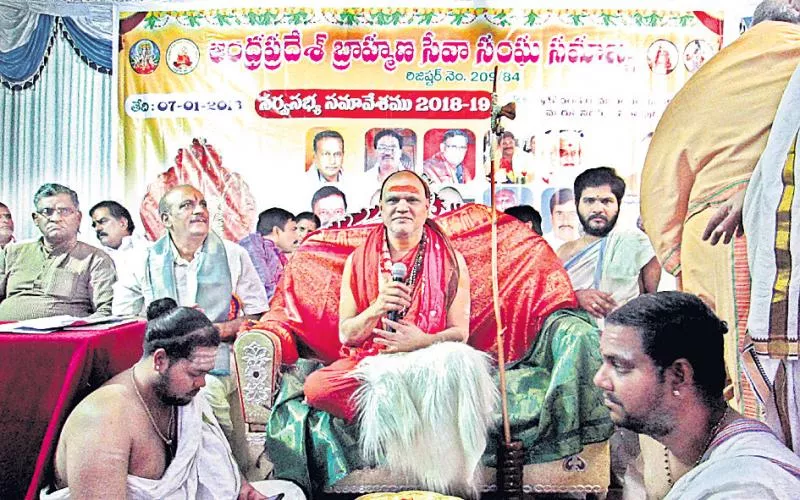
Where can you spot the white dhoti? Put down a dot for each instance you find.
(771, 215)
(203, 467)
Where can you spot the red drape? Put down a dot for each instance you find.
(533, 284)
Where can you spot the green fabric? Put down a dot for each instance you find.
(314, 450)
(556, 375)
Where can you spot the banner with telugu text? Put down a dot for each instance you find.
(260, 107)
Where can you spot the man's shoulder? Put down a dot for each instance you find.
(234, 249)
(107, 403)
(84, 250)
(19, 247)
(568, 249)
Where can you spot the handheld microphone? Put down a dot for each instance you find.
(398, 274)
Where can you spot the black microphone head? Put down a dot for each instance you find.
(399, 271)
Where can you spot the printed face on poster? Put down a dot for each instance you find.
(262, 107)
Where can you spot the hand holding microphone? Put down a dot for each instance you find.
(398, 276)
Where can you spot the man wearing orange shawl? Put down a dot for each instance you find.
(551, 351)
(423, 352)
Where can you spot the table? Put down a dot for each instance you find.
(42, 377)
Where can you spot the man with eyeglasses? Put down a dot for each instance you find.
(56, 274)
(328, 157)
(197, 268)
(447, 165)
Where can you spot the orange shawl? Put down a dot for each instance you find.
(533, 284)
(434, 289)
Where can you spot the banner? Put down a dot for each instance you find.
(262, 107)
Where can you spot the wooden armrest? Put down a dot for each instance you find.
(258, 360)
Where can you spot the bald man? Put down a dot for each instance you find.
(396, 333)
(196, 268)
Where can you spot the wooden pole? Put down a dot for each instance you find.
(501, 364)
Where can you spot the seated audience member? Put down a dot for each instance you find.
(114, 227)
(6, 226)
(663, 375)
(275, 236)
(329, 204)
(436, 279)
(528, 214)
(608, 265)
(144, 434)
(307, 222)
(57, 274)
(195, 267)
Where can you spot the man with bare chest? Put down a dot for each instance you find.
(143, 434)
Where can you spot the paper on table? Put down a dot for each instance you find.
(53, 323)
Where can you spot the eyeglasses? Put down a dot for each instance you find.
(387, 149)
(48, 212)
(455, 147)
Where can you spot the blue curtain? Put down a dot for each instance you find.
(21, 67)
(58, 130)
(93, 51)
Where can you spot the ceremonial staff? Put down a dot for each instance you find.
(509, 459)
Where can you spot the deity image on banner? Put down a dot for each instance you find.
(449, 156)
(182, 56)
(144, 56)
(662, 57)
(695, 54)
(388, 150)
(232, 208)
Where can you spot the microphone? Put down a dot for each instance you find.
(398, 274)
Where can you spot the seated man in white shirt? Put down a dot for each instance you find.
(114, 227)
(196, 267)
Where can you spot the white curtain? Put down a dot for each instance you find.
(57, 131)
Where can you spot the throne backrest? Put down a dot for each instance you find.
(532, 282)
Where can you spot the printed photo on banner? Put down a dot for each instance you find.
(508, 196)
(389, 150)
(560, 222)
(324, 155)
(449, 156)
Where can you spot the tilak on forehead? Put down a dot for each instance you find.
(405, 188)
(202, 358)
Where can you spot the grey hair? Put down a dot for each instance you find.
(163, 205)
(52, 189)
(776, 10)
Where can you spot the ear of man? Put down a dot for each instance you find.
(160, 360)
(680, 375)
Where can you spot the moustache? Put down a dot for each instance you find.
(612, 399)
(598, 216)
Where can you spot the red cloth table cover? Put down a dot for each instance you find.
(42, 377)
